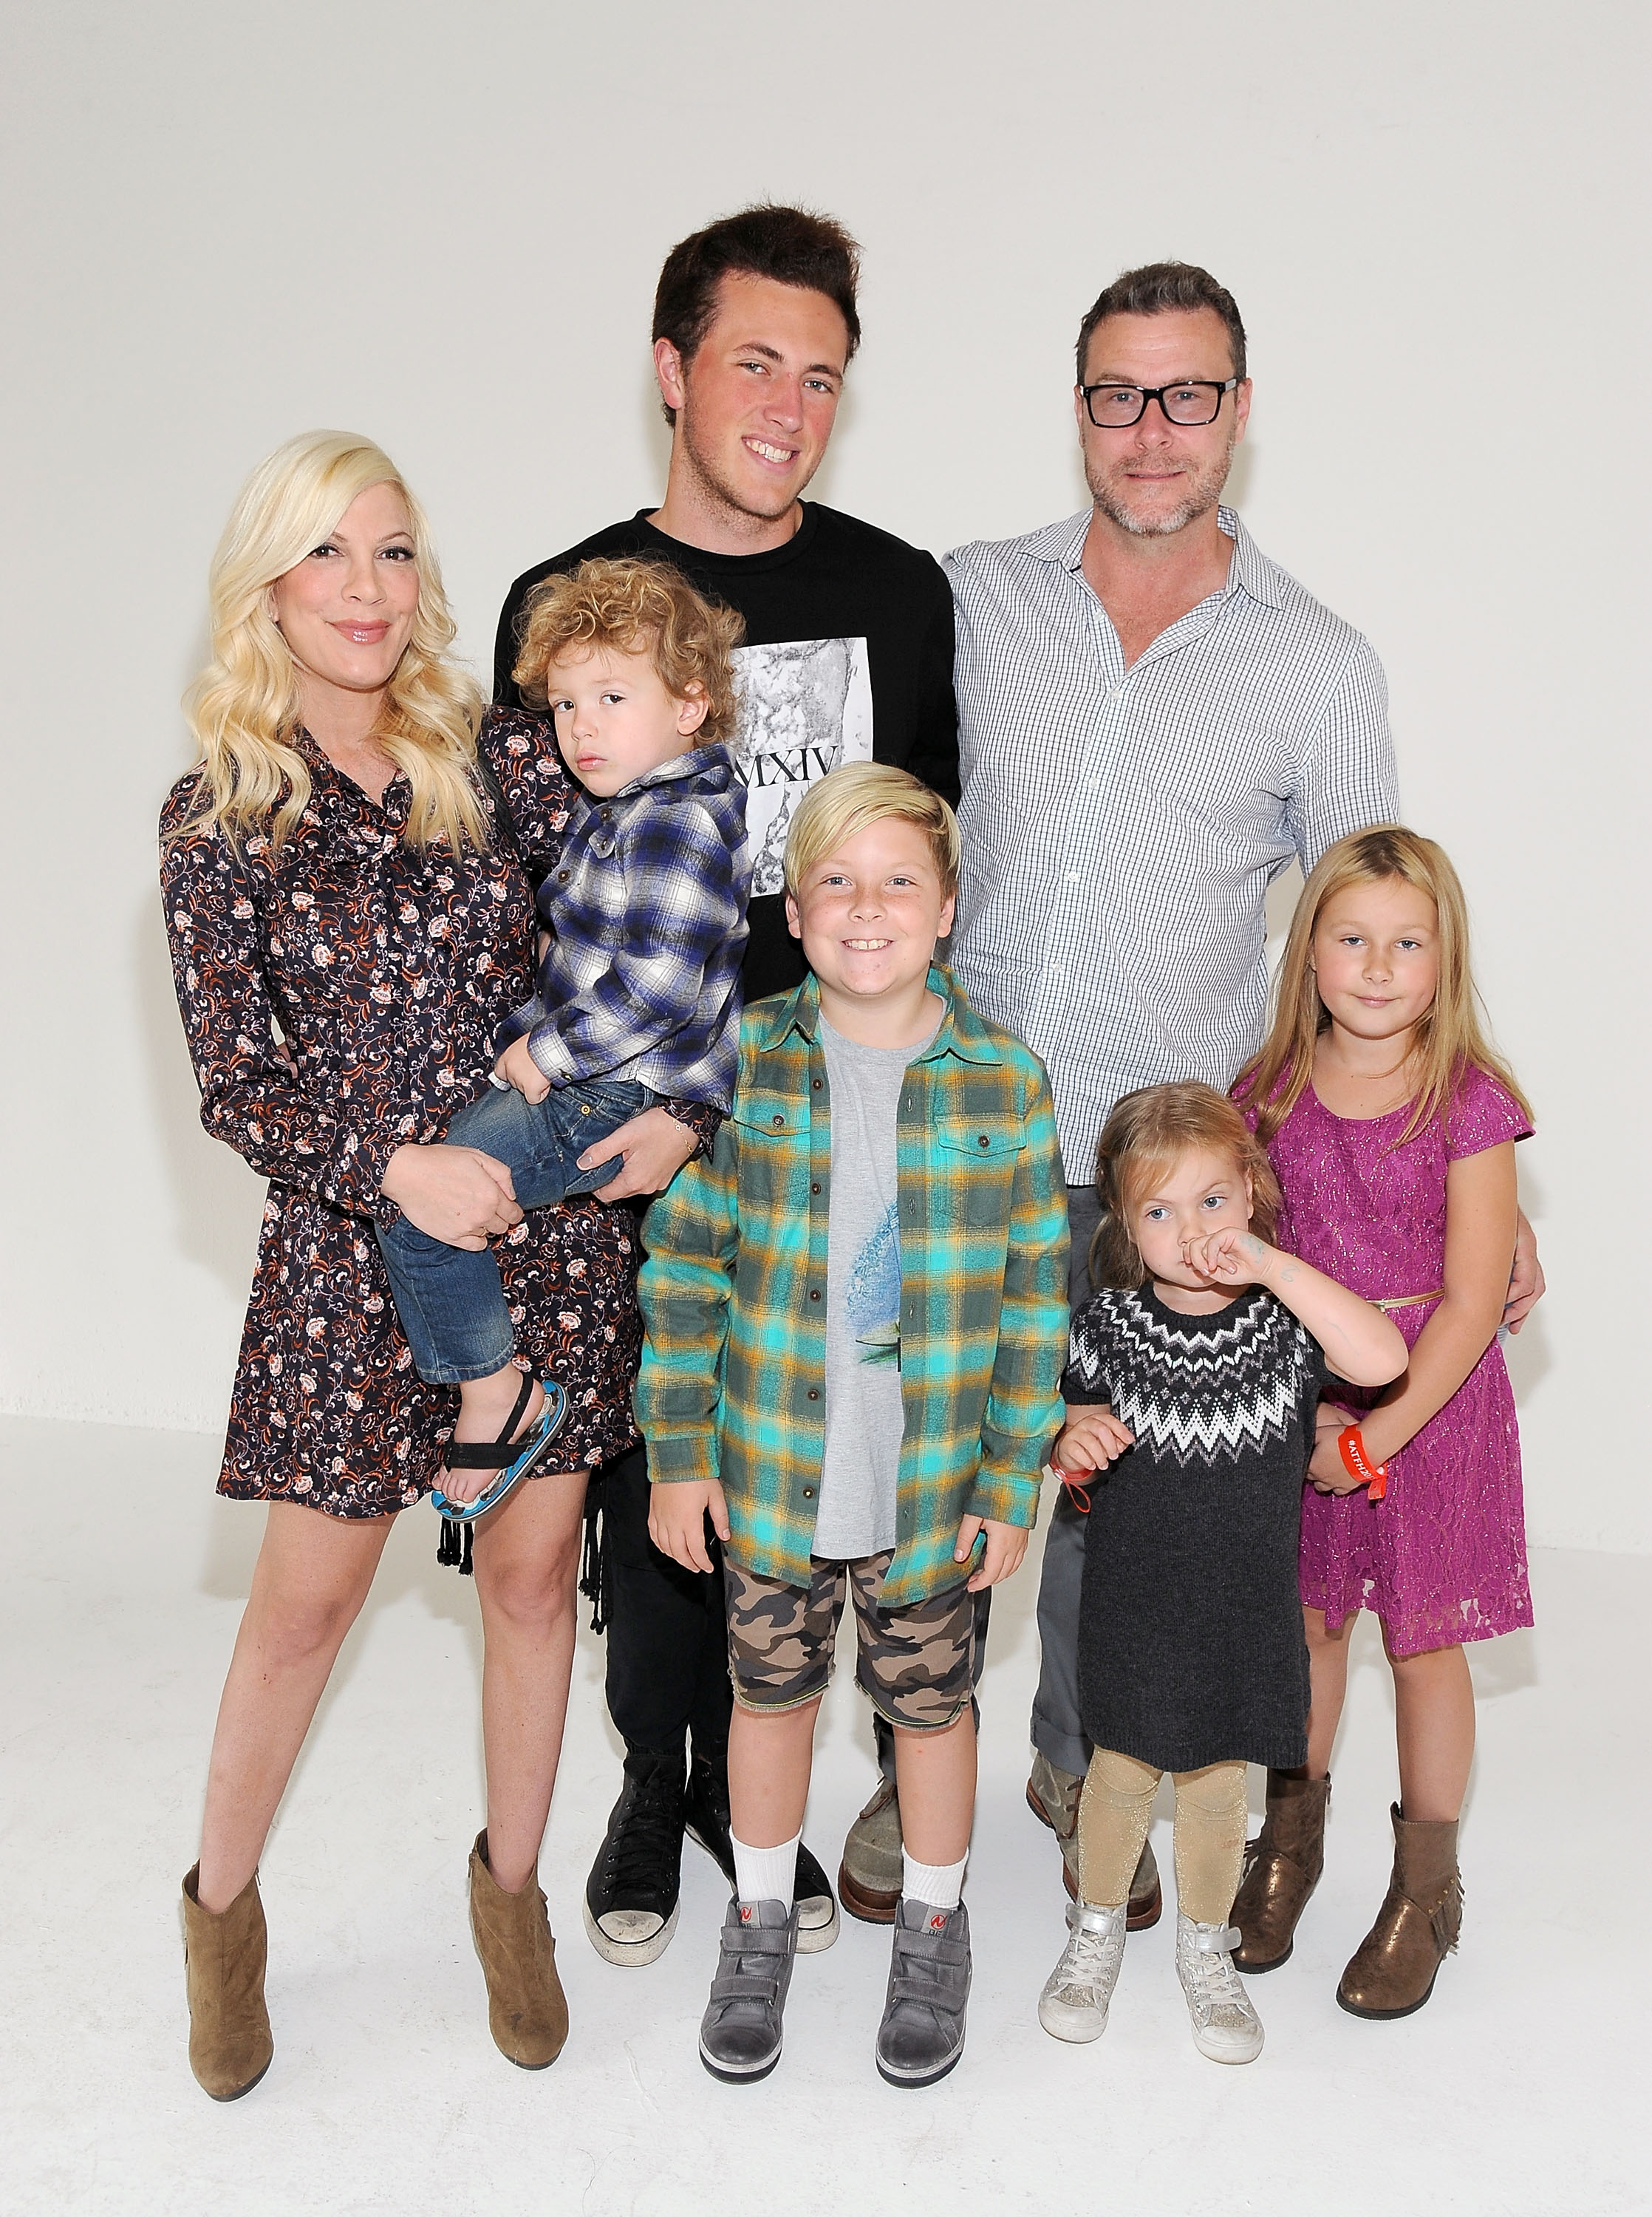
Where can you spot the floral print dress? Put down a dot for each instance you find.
(386, 971)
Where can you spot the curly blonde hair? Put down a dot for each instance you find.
(1450, 1036)
(1150, 1130)
(635, 606)
(244, 708)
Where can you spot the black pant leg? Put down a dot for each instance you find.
(667, 1643)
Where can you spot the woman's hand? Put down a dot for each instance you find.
(676, 1519)
(456, 1195)
(1001, 1556)
(1327, 1473)
(654, 1146)
(1090, 1441)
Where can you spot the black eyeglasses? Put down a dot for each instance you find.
(1116, 407)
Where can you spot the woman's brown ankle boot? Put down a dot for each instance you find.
(527, 2011)
(230, 2046)
(1282, 1869)
(1395, 1966)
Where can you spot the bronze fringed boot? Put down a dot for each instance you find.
(1282, 1869)
(223, 1957)
(527, 2011)
(1395, 1966)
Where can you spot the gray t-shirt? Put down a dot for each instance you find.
(864, 1420)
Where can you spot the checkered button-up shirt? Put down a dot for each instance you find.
(1121, 827)
(646, 910)
(734, 1294)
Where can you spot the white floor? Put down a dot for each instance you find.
(123, 1577)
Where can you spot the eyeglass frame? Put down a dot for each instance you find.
(1155, 393)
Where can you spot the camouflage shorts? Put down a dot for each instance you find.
(914, 1665)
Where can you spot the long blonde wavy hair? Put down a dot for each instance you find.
(1450, 1035)
(243, 707)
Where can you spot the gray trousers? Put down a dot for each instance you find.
(1057, 1729)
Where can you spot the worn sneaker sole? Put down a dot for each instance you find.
(1143, 1915)
(814, 1939)
(1076, 2025)
(739, 2077)
(891, 2077)
(629, 1955)
(1229, 2055)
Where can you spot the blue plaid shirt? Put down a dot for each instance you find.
(646, 910)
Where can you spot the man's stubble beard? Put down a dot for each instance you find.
(713, 483)
(1204, 490)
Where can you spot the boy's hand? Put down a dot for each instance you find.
(676, 1520)
(654, 1147)
(1227, 1257)
(518, 1068)
(1327, 1473)
(1006, 1545)
(1090, 1441)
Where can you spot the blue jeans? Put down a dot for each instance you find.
(450, 1303)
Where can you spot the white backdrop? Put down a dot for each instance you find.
(441, 225)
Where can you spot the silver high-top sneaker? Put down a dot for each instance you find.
(1225, 2026)
(1074, 2003)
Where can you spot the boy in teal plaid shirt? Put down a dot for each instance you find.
(856, 1323)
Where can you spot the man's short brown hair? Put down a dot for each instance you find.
(633, 606)
(790, 245)
(1156, 289)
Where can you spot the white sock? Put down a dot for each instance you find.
(938, 1886)
(765, 1874)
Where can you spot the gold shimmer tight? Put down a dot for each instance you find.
(1112, 1821)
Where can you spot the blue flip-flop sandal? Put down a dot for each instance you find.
(514, 1459)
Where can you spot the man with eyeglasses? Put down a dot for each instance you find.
(1155, 720)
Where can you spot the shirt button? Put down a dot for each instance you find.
(779, 1122)
(814, 1293)
(814, 1188)
(815, 1084)
(814, 1394)
(983, 1141)
(808, 1492)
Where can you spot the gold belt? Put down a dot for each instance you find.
(1408, 1300)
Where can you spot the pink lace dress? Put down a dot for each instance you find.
(1441, 1559)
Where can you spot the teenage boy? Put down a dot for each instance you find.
(848, 657)
(639, 988)
(855, 1321)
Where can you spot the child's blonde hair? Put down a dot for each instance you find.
(857, 795)
(1450, 1036)
(243, 707)
(635, 606)
(1148, 1132)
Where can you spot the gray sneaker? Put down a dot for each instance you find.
(740, 2032)
(921, 2035)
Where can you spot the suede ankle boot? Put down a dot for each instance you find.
(230, 2046)
(1282, 1868)
(1395, 1966)
(527, 2011)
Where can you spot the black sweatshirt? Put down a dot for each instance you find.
(848, 655)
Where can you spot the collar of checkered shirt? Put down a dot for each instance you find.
(1250, 570)
(961, 1034)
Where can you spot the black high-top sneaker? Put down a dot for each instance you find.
(630, 1896)
(708, 1825)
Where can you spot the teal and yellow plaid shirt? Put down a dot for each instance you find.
(733, 1380)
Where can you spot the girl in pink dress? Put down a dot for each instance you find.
(1390, 1122)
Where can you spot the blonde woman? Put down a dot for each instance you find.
(349, 926)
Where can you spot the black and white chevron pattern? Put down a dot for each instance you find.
(1202, 1390)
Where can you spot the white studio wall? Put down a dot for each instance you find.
(441, 225)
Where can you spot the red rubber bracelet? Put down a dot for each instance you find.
(1356, 1460)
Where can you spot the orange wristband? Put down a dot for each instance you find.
(1356, 1460)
